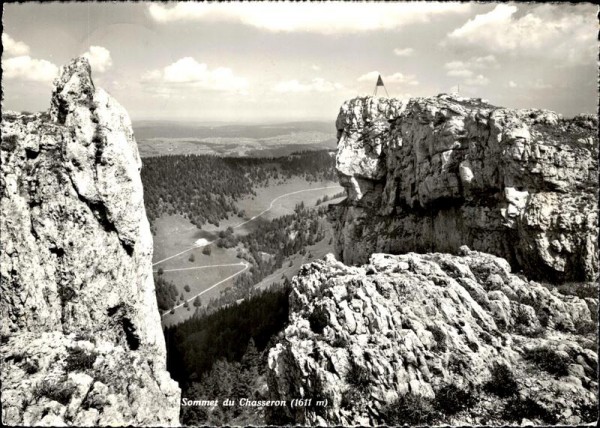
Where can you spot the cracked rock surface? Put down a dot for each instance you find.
(81, 342)
(432, 174)
(469, 342)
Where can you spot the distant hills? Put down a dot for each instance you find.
(145, 129)
(158, 138)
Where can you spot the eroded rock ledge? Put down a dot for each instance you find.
(432, 174)
(81, 337)
(434, 339)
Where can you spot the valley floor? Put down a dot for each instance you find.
(183, 263)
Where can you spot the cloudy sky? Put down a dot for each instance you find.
(282, 62)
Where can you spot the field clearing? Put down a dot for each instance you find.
(280, 145)
(198, 280)
(253, 206)
(175, 234)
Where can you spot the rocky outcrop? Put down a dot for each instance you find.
(434, 339)
(81, 337)
(432, 174)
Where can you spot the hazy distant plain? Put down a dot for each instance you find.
(261, 140)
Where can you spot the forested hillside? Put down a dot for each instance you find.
(268, 246)
(204, 188)
(223, 356)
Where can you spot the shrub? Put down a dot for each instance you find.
(585, 328)
(549, 360)
(94, 401)
(503, 382)
(60, 390)
(521, 315)
(451, 399)
(187, 288)
(80, 360)
(30, 367)
(9, 142)
(207, 250)
(440, 338)
(85, 336)
(410, 410)
(339, 342)
(517, 409)
(358, 376)
(350, 398)
(458, 363)
(192, 258)
(588, 413)
(581, 290)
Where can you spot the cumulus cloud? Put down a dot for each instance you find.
(478, 80)
(187, 72)
(466, 69)
(488, 61)
(308, 16)
(13, 47)
(27, 68)
(392, 78)
(460, 72)
(474, 63)
(99, 58)
(561, 32)
(403, 51)
(540, 84)
(371, 76)
(315, 85)
(22, 66)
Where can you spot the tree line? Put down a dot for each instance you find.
(204, 188)
(194, 345)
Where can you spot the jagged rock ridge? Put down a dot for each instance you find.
(434, 339)
(427, 337)
(82, 342)
(432, 174)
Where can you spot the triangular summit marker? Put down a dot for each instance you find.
(380, 83)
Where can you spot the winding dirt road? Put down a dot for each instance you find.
(191, 299)
(246, 265)
(248, 221)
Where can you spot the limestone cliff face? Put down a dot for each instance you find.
(432, 174)
(81, 337)
(427, 337)
(434, 339)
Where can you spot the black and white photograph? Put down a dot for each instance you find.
(299, 213)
